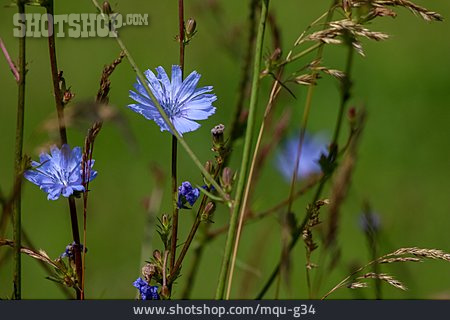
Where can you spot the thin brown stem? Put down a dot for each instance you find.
(166, 253)
(173, 242)
(181, 30)
(86, 167)
(56, 78)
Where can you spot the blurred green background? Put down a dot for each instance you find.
(403, 164)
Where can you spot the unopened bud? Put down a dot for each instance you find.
(208, 211)
(217, 134)
(165, 221)
(157, 255)
(190, 26)
(227, 179)
(106, 8)
(209, 167)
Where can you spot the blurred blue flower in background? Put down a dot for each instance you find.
(146, 291)
(370, 221)
(59, 173)
(181, 100)
(187, 194)
(313, 147)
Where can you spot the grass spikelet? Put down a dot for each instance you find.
(384, 277)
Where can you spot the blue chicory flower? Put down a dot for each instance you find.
(59, 173)
(181, 100)
(187, 194)
(313, 147)
(146, 291)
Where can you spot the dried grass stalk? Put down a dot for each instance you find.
(426, 14)
(400, 255)
(341, 27)
(422, 253)
(39, 255)
(400, 259)
(384, 277)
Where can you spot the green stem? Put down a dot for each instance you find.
(18, 165)
(246, 152)
(273, 94)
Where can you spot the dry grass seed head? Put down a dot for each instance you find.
(384, 277)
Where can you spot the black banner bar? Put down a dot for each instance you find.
(233, 309)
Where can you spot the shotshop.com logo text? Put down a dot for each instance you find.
(74, 25)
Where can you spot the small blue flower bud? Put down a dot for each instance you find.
(187, 194)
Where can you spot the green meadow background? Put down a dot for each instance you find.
(403, 167)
